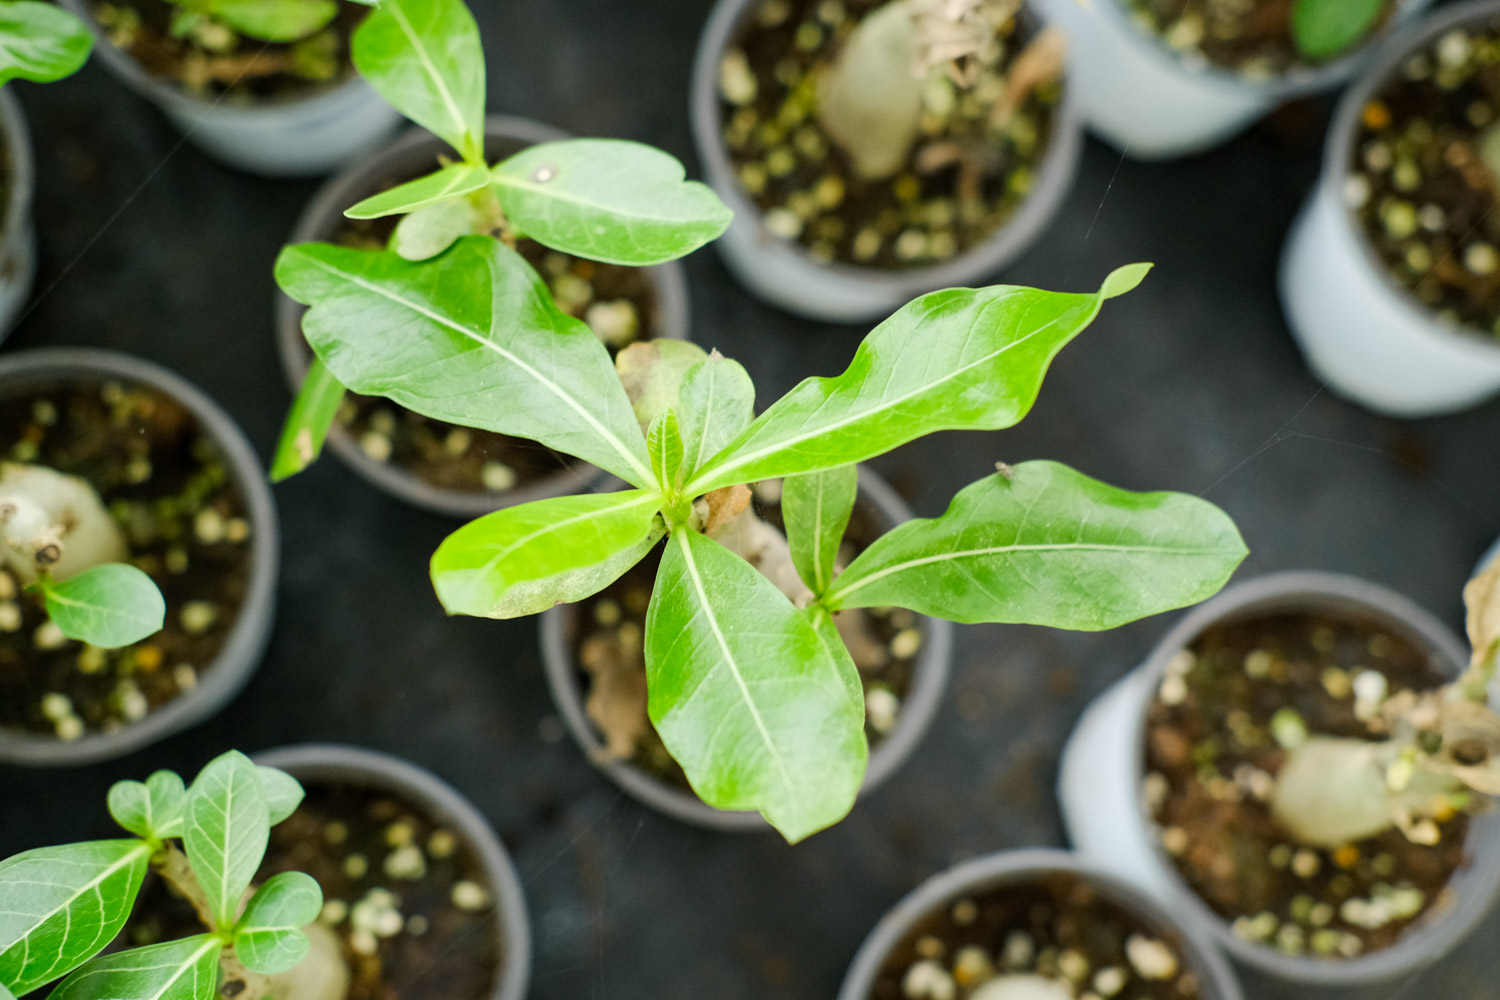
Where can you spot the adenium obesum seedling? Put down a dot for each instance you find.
(60, 907)
(604, 200)
(1432, 750)
(1325, 29)
(41, 42)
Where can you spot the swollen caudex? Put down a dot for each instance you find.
(53, 523)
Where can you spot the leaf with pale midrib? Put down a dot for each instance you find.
(178, 970)
(151, 809)
(227, 827)
(816, 507)
(108, 606)
(269, 937)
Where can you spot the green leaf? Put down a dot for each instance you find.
(283, 792)
(275, 21)
(652, 372)
(524, 559)
(41, 42)
(307, 424)
(1044, 545)
(718, 402)
(178, 970)
(451, 182)
(108, 606)
(60, 905)
(745, 694)
(269, 937)
(816, 507)
(664, 445)
(227, 828)
(1323, 29)
(429, 231)
(425, 58)
(961, 359)
(608, 200)
(152, 810)
(472, 337)
(834, 648)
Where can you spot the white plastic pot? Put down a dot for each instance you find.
(303, 137)
(1358, 329)
(17, 237)
(1103, 767)
(1140, 95)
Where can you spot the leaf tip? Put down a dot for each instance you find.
(1124, 279)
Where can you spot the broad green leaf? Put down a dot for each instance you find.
(227, 828)
(745, 694)
(41, 42)
(664, 445)
(961, 359)
(275, 21)
(452, 181)
(1041, 544)
(425, 58)
(60, 905)
(283, 792)
(608, 200)
(472, 337)
(107, 606)
(429, 231)
(1323, 29)
(816, 507)
(152, 809)
(833, 645)
(652, 372)
(269, 937)
(178, 970)
(524, 559)
(313, 413)
(717, 403)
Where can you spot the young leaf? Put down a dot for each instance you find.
(269, 937)
(664, 445)
(816, 507)
(152, 810)
(60, 905)
(178, 970)
(522, 560)
(961, 359)
(745, 694)
(718, 402)
(472, 337)
(1323, 29)
(275, 21)
(608, 200)
(283, 792)
(1043, 545)
(652, 373)
(108, 606)
(308, 423)
(41, 42)
(227, 828)
(425, 58)
(432, 229)
(452, 181)
(833, 645)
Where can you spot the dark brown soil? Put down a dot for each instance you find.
(1057, 926)
(248, 70)
(1424, 182)
(615, 620)
(1211, 755)
(167, 484)
(1252, 37)
(927, 213)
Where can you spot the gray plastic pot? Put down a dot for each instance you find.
(1008, 868)
(1103, 768)
(330, 764)
(560, 633)
(17, 236)
(784, 274)
(301, 137)
(415, 153)
(237, 660)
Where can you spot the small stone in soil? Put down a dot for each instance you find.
(441, 844)
(1150, 958)
(1019, 950)
(49, 636)
(10, 616)
(334, 911)
(469, 896)
(1110, 981)
(198, 617)
(927, 980)
(498, 477)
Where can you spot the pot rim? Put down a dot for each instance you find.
(930, 683)
(1478, 882)
(332, 762)
(321, 220)
(991, 871)
(15, 227)
(241, 653)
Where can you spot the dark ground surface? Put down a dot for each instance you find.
(1191, 383)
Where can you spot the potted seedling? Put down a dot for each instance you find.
(1389, 279)
(264, 85)
(395, 199)
(1166, 78)
(1300, 765)
(878, 149)
(40, 43)
(1033, 925)
(137, 556)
